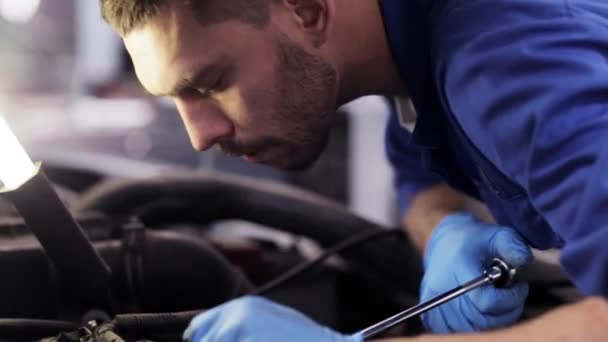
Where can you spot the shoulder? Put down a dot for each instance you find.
(454, 19)
(506, 70)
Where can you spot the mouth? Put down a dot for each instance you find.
(254, 157)
(267, 156)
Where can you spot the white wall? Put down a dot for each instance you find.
(98, 48)
(371, 191)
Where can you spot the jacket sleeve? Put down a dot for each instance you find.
(405, 158)
(528, 82)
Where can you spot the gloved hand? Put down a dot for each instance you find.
(254, 319)
(459, 250)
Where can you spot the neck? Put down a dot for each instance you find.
(367, 66)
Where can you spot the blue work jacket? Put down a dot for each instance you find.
(512, 104)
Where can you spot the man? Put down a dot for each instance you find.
(511, 98)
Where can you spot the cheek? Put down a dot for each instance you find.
(249, 107)
(251, 101)
(233, 103)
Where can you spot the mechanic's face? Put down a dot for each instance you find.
(255, 93)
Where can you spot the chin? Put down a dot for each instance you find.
(294, 157)
(300, 162)
(288, 165)
(298, 166)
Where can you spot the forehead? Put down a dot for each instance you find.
(173, 45)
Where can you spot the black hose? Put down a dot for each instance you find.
(154, 323)
(28, 329)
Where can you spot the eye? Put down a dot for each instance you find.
(190, 93)
(215, 88)
(205, 92)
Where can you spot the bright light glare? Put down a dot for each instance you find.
(16, 167)
(18, 11)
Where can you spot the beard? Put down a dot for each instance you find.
(304, 106)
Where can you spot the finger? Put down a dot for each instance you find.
(447, 319)
(200, 323)
(435, 322)
(493, 301)
(507, 244)
(507, 319)
(227, 330)
(357, 337)
(485, 321)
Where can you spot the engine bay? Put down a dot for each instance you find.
(178, 244)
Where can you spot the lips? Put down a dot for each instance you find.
(265, 155)
(253, 157)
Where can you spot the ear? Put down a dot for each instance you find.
(312, 16)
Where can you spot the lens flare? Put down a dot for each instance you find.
(16, 167)
(18, 11)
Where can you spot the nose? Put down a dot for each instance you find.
(206, 125)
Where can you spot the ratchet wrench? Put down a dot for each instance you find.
(499, 273)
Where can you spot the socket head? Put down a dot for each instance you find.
(501, 274)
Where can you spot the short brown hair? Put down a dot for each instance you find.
(127, 15)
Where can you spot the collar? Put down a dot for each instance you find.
(407, 26)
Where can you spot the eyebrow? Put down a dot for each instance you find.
(198, 79)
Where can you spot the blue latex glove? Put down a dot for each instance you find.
(254, 319)
(459, 250)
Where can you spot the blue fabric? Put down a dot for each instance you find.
(457, 252)
(406, 158)
(521, 88)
